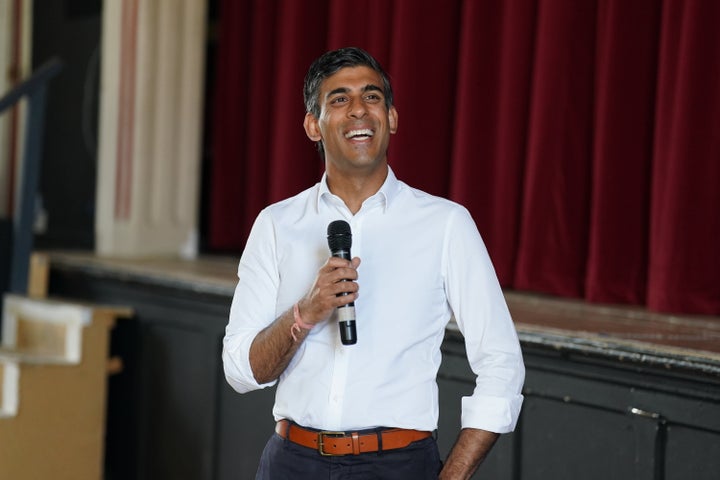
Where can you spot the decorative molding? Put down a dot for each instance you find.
(126, 109)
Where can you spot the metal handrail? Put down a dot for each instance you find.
(37, 80)
(34, 88)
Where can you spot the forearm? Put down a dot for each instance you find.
(469, 451)
(274, 347)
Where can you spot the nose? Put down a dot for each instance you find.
(357, 108)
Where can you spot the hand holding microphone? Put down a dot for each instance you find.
(335, 287)
(339, 239)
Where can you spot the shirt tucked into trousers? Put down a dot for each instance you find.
(283, 459)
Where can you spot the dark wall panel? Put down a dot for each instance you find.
(172, 415)
(692, 453)
(179, 402)
(563, 440)
(246, 425)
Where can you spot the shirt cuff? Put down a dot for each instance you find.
(494, 414)
(236, 363)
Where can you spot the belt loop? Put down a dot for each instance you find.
(378, 432)
(355, 443)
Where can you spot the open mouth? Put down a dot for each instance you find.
(360, 134)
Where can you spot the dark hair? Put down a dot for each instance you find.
(329, 63)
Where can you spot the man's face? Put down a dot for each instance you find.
(354, 124)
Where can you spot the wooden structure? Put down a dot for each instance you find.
(53, 384)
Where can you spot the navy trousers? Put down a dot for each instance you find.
(283, 460)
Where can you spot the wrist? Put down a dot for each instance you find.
(298, 324)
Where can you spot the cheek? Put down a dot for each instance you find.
(326, 127)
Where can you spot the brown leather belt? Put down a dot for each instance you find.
(349, 443)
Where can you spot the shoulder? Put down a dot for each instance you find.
(292, 207)
(440, 218)
(431, 203)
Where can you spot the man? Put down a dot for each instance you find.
(423, 263)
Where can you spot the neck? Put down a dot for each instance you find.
(356, 188)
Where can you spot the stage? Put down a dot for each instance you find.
(611, 391)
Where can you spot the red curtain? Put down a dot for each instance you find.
(584, 136)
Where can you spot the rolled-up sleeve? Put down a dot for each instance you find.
(483, 318)
(253, 304)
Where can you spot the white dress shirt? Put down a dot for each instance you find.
(423, 262)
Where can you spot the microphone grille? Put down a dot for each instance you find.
(339, 235)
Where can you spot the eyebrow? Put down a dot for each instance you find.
(367, 88)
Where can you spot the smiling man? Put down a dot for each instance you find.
(352, 120)
(367, 410)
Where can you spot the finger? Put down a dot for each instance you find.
(343, 288)
(345, 299)
(320, 305)
(337, 262)
(342, 274)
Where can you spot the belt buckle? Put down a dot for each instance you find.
(321, 443)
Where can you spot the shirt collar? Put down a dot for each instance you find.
(387, 192)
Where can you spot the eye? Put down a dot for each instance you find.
(372, 97)
(338, 100)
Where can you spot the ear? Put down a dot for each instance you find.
(312, 130)
(393, 119)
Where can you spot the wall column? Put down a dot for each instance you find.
(15, 66)
(151, 110)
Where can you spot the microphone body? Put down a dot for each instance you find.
(339, 242)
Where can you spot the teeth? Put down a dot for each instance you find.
(365, 132)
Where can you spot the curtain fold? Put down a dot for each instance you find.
(348, 26)
(228, 190)
(554, 222)
(684, 260)
(617, 263)
(582, 136)
(300, 33)
(423, 70)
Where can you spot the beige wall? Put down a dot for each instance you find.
(151, 98)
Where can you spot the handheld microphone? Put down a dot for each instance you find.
(340, 240)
